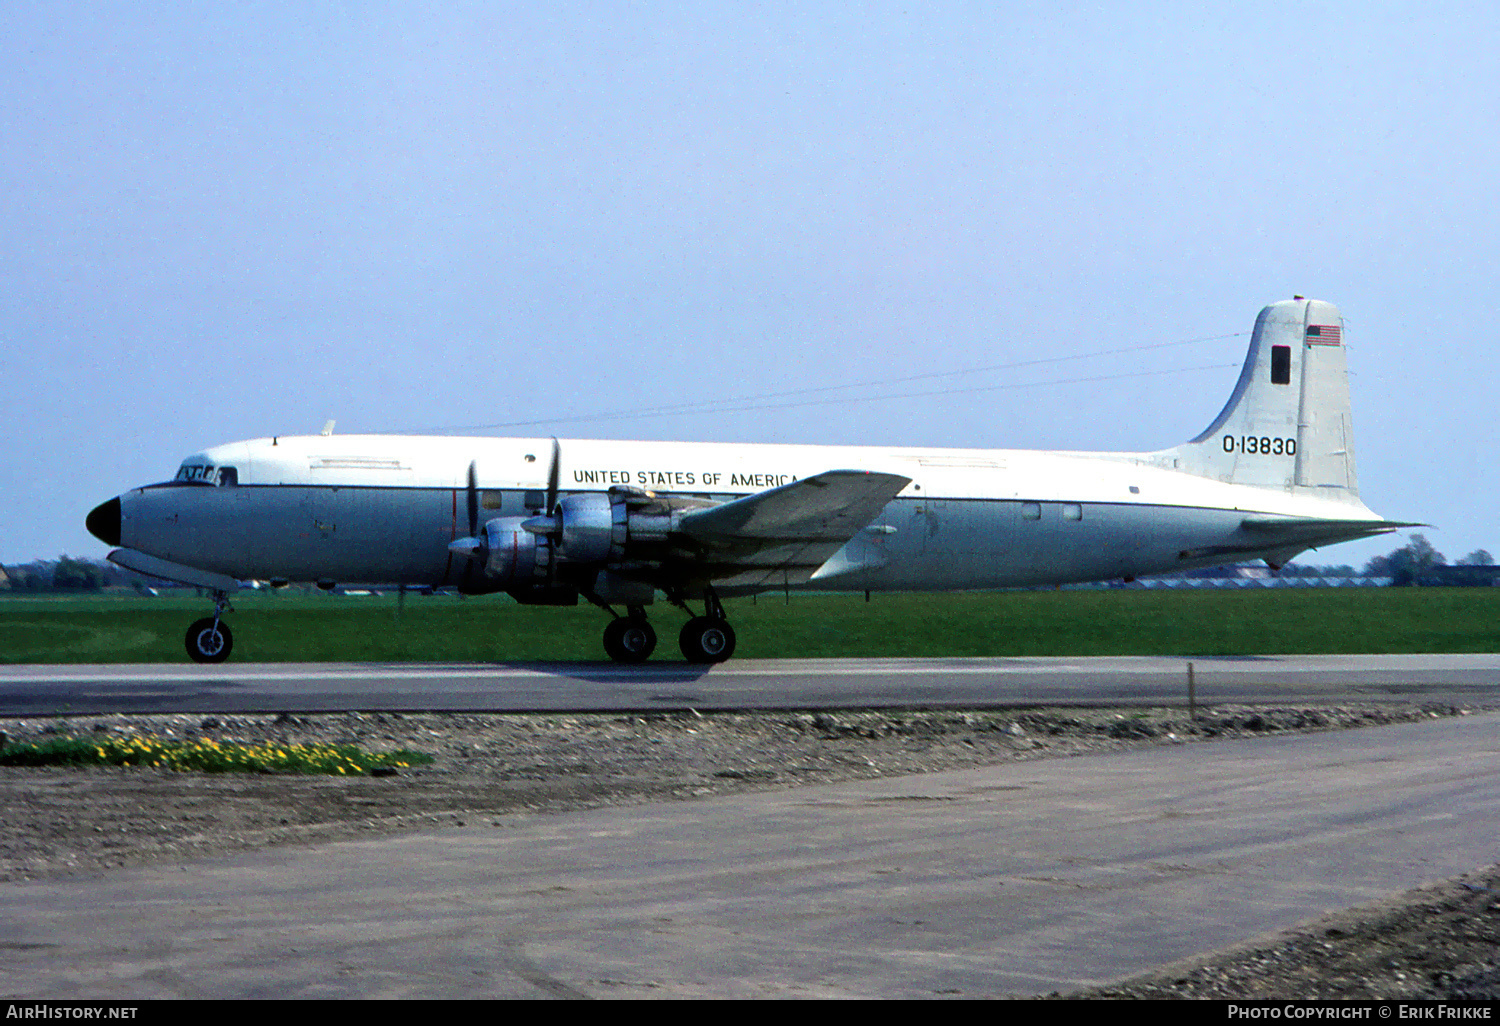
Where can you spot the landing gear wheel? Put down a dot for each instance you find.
(706, 639)
(209, 640)
(629, 639)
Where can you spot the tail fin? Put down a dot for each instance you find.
(1287, 424)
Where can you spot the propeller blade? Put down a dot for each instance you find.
(552, 473)
(473, 499)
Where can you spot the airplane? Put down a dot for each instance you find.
(619, 522)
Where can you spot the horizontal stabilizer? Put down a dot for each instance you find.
(1313, 531)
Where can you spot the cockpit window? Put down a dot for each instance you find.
(206, 474)
(197, 473)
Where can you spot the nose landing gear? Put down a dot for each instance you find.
(209, 640)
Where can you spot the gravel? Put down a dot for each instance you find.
(1437, 942)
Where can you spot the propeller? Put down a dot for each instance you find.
(552, 473)
(473, 546)
(473, 498)
(550, 521)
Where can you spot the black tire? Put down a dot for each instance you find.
(208, 644)
(629, 640)
(706, 640)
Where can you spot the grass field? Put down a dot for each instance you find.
(285, 627)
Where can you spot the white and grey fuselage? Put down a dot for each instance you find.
(381, 508)
(1272, 476)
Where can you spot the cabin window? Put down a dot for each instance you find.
(1031, 511)
(534, 498)
(1072, 511)
(1281, 365)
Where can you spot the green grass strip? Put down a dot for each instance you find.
(207, 756)
(280, 627)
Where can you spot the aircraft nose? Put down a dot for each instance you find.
(104, 522)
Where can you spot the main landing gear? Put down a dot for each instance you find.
(630, 639)
(209, 640)
(704, 639)
(708, 638)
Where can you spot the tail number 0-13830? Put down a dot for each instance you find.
(1262, 444)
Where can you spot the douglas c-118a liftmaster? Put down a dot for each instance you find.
(620, 522)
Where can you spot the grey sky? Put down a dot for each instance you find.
(230, 221)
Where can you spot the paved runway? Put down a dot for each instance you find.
(742, 684)
(1022, 878)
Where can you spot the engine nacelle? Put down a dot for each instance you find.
(581, 545)
(586, 529)
(516, 557)
(604, 529)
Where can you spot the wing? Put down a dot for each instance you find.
(786, 533)
(153, 566)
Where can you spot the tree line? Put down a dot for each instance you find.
(1416, 559)
(68, 574)
(1405, 566)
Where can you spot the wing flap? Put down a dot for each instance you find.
(831, 505)
(786, 533)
